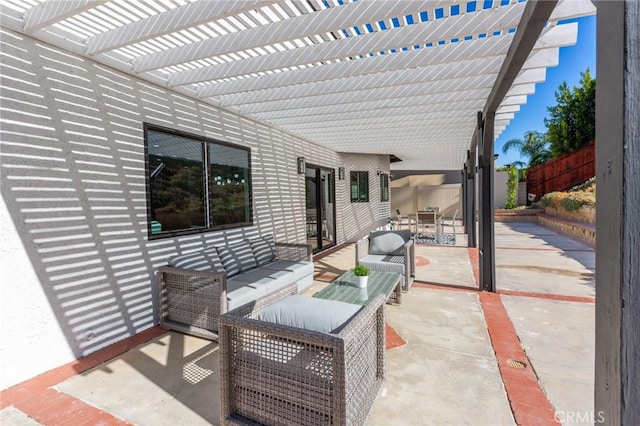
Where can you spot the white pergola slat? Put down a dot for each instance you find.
(51, 12)
(333, 19)
(430, 31)
(391, 77)
(438, 55)
(189, 15)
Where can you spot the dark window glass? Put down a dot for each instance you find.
(176, 182)
(229, 183)
(384, 187)
(196, 184)
(359, 187)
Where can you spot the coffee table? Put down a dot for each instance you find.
(345, 288)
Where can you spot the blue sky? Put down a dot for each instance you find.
(573, 60)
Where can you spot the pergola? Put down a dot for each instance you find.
(404, 78)
(389, 77)
(432, 83)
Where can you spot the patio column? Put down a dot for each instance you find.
(486, 240)
(617, 363)
(470, 223)
(463, 196)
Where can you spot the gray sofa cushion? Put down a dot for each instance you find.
(237, 258)
(204, 260)
(240, 293)
(300, 269)
(264, 249)
(310, 313)
(272, 280)
(381, 262)
(388, 242)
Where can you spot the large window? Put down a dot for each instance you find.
(384, 187)
(359, 187)
(195, 184)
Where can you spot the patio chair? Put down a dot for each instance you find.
(301, 360)
(402, 220)
(390, 251)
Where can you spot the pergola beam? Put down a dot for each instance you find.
(420, 33)
(48, 13)
(173, 20)
(320, 22)
(442, 55)
(534, 18)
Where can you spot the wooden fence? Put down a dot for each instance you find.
(563, 172)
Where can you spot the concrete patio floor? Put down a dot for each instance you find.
(456, 366)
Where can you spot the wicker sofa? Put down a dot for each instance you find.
(389, 251)
(275, 371)
(195, 288)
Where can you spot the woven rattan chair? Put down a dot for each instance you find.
(400, 257)
(281, 375)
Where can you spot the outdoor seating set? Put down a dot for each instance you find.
(427, 226)
(288, 358)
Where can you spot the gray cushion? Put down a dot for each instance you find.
(272, 280)
(237, 258)
(300, 269)
(264, 249)
(310, 313)
(239, 293)
(381, 262)
(388, 242)
(203, 260)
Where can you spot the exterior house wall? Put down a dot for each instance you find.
(360, 218)
(78, 268)
(409, 199)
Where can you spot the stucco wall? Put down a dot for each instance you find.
(74, 232)
(409, 199)
(500, 189)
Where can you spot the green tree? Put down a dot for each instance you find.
(572, 122)
(512, 188)
(534, 146)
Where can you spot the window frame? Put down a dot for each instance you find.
(359, 174)
(206, 159)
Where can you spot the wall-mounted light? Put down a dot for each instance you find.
(340, 173)
(302, 166)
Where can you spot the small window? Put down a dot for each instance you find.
(384, 187)
(359, 187)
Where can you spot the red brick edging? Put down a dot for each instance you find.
(529, 404)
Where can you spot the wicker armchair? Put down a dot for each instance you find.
(191, 301)
(281, 375)
(399, 258)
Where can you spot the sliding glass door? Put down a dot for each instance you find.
(321, 213)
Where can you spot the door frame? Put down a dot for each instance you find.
(320, 246)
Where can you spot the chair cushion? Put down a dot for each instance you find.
(264, 249)
(203, 260)
(381, 262)
(310, 313)
(388, 242)
(237, 258)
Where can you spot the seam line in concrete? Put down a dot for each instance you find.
(548, 296)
